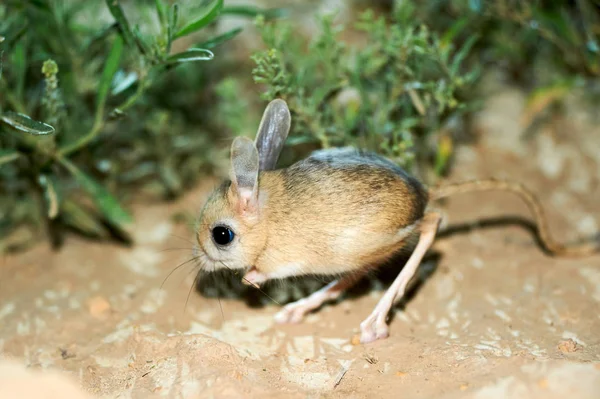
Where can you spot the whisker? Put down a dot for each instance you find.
(175, 249)
(190, 291)
(261, 290)
(174, 259)
(178, 266)
(182, 238)
(214, 279)
(221, 307)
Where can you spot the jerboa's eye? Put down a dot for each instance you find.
(223, 235)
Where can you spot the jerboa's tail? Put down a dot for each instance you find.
(550, 244)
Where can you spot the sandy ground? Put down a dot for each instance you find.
(496, 318)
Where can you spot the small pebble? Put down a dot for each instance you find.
(98, 307)
(568, 346)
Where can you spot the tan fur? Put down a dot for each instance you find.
(334, 212)
(333, 223)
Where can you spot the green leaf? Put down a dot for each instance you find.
(82, 220)
(7, 156)
(172, 27)
(215, 41)
(558, 22)
(20, 68)
(462, 53)
(50, 195)
(110, 68)
(162, 13)
(193, 54)
(209, 15)
(25, 124)
(174, 16)
(252, 12)
(140, 42)
(106, 203)
(454, 30)
(444, 152)
(123, 81)
(118, 14)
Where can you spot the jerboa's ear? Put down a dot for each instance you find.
(272, 133)
(244, 174)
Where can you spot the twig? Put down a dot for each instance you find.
(343, 370)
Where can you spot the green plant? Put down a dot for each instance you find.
(548, 47)
(564, 35)
(392, 95)
(95, 107)
(558, 53)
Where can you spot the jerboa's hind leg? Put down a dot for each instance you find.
(294, 312)
(375, 327)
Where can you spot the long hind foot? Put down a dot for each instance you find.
(294, 312)
(375, 327)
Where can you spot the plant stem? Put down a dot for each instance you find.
(134, 97)
(99, 123)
